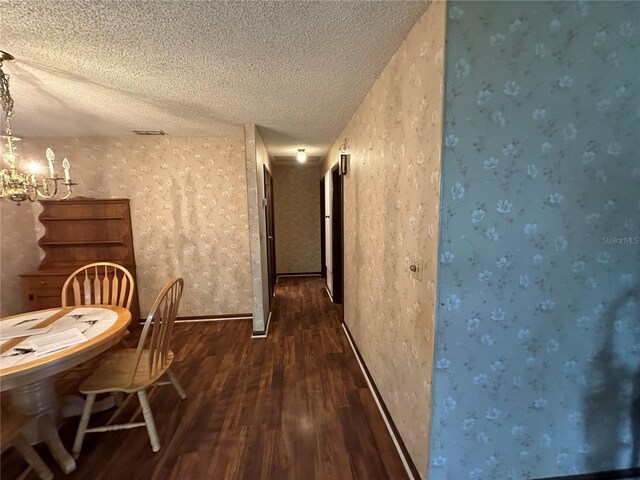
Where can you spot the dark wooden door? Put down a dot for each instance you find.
(323, 253)
(337, 240)
(270, 230)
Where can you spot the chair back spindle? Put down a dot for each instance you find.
(101, 283)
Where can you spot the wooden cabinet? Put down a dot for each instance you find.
(79, 231)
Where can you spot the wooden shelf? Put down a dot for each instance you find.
(82, 242)
(58, 219)
(79, 231)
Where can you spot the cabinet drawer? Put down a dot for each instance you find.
(44, 281)
(42, 291)
(47, 283)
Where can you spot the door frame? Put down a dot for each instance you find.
(270, 233)
(323, 240)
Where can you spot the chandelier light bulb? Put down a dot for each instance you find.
(66, 166)
(34, 168)
(302, 155)
(51, 159)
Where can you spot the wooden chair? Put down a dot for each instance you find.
(10, 435)
(92, 285)
(135, 370)
(116, 291)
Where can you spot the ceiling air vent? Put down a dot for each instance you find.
(149, 132)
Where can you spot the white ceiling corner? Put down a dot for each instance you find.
(299, 69)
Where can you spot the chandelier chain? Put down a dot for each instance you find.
(5, 94)
(5, 98)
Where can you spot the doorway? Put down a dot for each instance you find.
(332, 208)
(337, 240)
(270, 232)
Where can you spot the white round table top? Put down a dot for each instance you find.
(25, 359)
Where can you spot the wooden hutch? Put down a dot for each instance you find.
(79, 231)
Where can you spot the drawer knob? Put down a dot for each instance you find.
(43, 282)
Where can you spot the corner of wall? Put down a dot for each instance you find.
(253, 216)
(256, 158)
(19, 252)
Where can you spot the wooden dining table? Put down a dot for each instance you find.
(28, 377)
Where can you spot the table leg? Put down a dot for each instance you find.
(38, 401)
(64, 459)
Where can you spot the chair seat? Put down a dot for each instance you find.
(114, 375)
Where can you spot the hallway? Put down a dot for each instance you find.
(292, 406)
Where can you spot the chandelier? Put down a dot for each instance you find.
(19, 182)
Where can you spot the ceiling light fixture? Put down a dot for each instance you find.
(302, 155)
(21, 182)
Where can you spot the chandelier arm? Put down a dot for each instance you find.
(68, 194)
(44, 190)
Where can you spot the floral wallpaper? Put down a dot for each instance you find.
(17, 231)
(391, 217)
(537, 349)
(297, 217)
(189, 211)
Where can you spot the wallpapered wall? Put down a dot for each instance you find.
(391, 197)
(538, 339)
(297, 217)
(18, 253)
(189, 211)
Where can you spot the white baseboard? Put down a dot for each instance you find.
(266, 331)
(205, 320)
(299, 275)
(224, 319)
(378, 401)
(330, 296)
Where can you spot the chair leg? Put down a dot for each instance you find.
(84, 422)
(148, 420)
(176, 384)
(32, 458)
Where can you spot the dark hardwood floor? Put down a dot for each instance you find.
(292, 406)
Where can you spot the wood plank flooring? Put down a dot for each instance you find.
(292, 406)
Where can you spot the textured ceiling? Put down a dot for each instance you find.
(193, 68)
